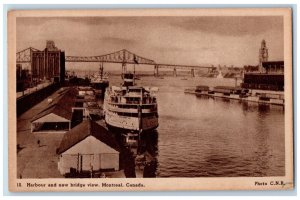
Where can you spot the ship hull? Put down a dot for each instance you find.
(124, 123)
(118, 130)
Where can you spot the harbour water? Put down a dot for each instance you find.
(205, 137)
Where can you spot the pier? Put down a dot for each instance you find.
(237, 93)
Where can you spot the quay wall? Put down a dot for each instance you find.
(26, 102)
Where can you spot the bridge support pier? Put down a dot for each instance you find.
(193, 72)
(124, 70)
(156, 70)
(175, 72)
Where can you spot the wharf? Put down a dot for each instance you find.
(36, 152)
(36, 160)
(256, 96)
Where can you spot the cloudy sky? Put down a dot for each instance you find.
(173, 40)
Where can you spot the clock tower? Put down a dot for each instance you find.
(263, 55)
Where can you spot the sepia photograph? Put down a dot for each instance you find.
(150, 99)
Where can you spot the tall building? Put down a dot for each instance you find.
(263, 55)
(48, 64)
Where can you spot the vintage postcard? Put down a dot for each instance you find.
(150, 99)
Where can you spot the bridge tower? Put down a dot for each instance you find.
(263, 55)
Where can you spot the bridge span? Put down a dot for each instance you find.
(126, 57)
(46, 60)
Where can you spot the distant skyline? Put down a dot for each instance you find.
(174, 40)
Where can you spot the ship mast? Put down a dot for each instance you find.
(101, 71)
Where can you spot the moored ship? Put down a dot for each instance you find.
(99, 82)
(130, 107)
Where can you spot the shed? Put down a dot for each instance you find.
(57, 116)
(88, 147)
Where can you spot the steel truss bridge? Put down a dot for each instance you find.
(123, 57)
(25, 56)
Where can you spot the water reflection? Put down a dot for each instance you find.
(209, 137)
(263, 108)
(261, 137)
(141, 159)
(149, 148)
(218, 164)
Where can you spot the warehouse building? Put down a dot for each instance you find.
(57, 116)
(271, 79)
(88, 147)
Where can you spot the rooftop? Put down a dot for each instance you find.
(82, 131)
(61, 105)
